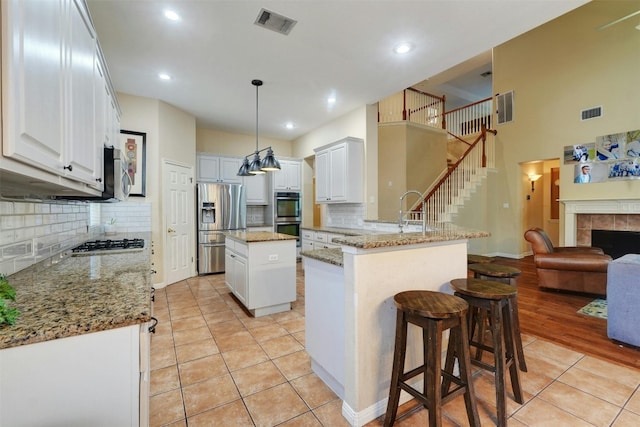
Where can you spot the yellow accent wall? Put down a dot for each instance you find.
(556, 71)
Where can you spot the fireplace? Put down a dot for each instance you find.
(582, 216)
(615, 242)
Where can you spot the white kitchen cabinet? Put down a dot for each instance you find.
(213, 168)
(256, 189)
(97, 379)
(49, 113)
(312, 240)
(339, 171)
(289, 177)
(263, 273)
(235, 265)
(82, 154)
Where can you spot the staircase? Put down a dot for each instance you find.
(465, 172)
(457, 184)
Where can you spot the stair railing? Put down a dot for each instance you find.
(414, 106)
(448, 189)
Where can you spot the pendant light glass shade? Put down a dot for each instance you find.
(244, 169)
(270, 163)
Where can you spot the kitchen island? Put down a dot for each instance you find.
(260, 270)
(79, 351)
(349, 310)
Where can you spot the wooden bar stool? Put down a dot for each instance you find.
(479, 259)
(496, 298)
(434, 312)
(509, 275)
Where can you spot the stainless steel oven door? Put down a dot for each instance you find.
(288, 207)
(291, 228)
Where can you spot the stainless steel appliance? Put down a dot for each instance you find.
(96, 247)
(288, 213)
(221, 207)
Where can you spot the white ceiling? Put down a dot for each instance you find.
(341, 48)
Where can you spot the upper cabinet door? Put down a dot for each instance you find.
(32, 43)
(218, 169)
(82, 154)
(289, 176)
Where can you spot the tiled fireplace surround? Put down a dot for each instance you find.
(582, 216)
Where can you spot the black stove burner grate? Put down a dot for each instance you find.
(105, 245)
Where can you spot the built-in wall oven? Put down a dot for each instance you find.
(288, 213)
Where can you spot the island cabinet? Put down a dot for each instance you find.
(260, 270)
(340, 172)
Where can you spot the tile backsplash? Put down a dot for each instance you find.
(31, 232)
(128, 217)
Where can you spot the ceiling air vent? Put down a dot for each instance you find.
(591, 113)
(274, 22)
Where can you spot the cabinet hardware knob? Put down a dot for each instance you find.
(171, 230)
(99, 179)
(70, 168)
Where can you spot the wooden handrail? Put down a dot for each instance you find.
(441, 98)
(482, 137)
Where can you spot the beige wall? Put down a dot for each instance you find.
(352, 124)
(414, 156)
(237, 144)
(170, 135)
(556, 71)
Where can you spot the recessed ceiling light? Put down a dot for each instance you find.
(331, 100)
(164, 76)
(170, 14)
(289, 125)
(403, 48)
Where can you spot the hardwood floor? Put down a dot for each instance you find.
(551, 315)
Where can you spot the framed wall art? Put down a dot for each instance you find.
(133, 146)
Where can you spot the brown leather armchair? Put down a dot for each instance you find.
(569, 268)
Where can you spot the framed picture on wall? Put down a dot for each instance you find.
(133, 146)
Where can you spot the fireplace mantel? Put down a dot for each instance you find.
(574, 207)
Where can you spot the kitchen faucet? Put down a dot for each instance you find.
(423, 215)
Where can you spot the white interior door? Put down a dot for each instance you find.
(178, 203)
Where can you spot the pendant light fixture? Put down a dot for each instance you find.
(257, 166)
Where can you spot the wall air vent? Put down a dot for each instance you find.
(274, 22)
(591, 113)
(504, 104)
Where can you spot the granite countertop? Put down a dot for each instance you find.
(331, 256)
(66, 295)
(258, 236)
(337, 230)
(436, 234)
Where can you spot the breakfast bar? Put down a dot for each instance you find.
(350, 313)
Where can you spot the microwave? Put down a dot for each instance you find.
(117, 182)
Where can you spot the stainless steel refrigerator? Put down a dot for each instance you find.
(220, 207)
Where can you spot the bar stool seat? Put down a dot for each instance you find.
(479, 259)
(496, 299)
(434, 312)
(509, 275)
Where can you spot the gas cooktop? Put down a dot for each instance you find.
(109, 245)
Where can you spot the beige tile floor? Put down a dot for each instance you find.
(212, 364)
